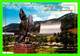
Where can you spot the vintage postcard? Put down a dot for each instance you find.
(40, 28)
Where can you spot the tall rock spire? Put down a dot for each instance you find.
(30, 21)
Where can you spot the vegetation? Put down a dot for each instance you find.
(65, 37)
(69, 21)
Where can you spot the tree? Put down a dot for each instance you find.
(57, 39)
(65, 37)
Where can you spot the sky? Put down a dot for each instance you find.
(37, 10)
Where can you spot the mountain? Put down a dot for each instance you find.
(68, 21)
(13, 27)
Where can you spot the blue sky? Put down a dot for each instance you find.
(37, 10)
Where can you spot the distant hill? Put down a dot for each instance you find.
(68, 21)
(13, 27)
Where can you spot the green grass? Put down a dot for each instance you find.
(52, 48)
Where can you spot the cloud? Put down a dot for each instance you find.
(11, 6)
(39, 14)
(16, 6)
(52, 16)
(39, 7)
(3, 25)
(57, 14)
(71, 6)
(18, 22)
(36, 18)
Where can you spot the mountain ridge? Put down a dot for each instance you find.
(65, 19)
